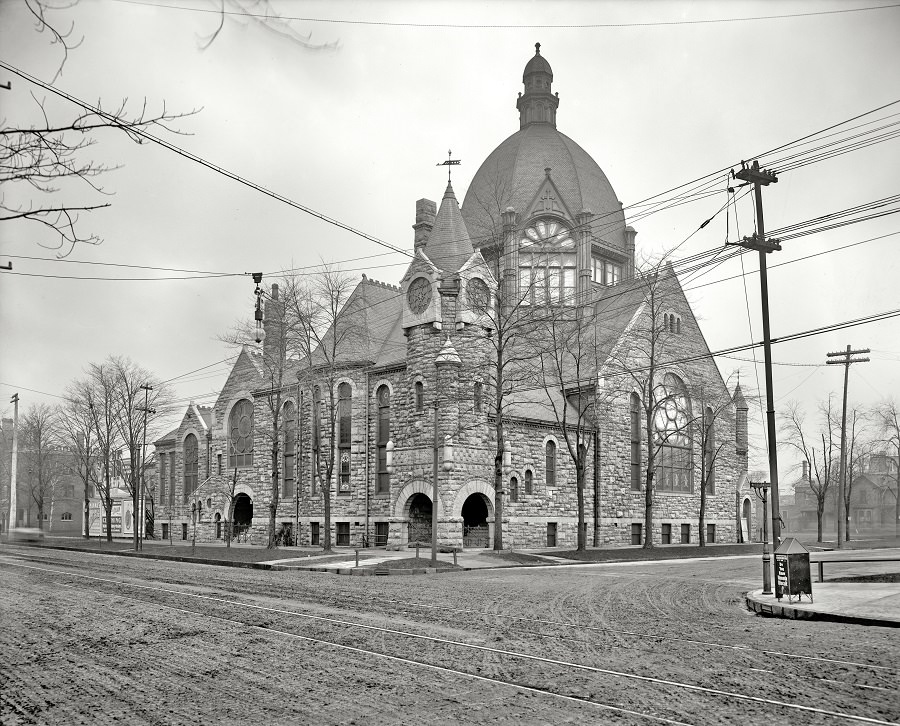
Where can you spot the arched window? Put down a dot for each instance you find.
(420, 396)
(550, 464)
(289, 449)
(529, 479)
(191, 465)
(673, 437)
(709, 444)
(383, 399)
(635, 442)
(172, 479)
(678, 326)
(344, 437)
(240, 435)
(547, 264)
(665, 322)
(316, 426)
(163, 477)
(671, 323)
(477, 396)
(514, 489)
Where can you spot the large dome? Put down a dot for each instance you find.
(515, 172)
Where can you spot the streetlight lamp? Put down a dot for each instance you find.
(761, 489)
(258, 313)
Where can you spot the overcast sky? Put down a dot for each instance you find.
(352, 122)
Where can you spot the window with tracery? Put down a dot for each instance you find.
(547, 264)
(344, 437)
(635, 442)
(191, 465)
(240, 435)
(289, 447)
(673, 437)
(709, 444)
(383, 399)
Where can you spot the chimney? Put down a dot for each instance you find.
(425, 213)
(805, 472)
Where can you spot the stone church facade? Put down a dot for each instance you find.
(540, 225)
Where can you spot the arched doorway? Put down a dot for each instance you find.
(746, 529)
(218, 526)
(475, 526)
(243, 513)
(419, 518)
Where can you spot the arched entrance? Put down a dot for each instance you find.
(475, 526)
(243, 513)
(746, 529)
(419, 518)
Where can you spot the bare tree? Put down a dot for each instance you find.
(48, 158)
(713, 410)
(132, 422)
(328, 328)
(639, 357)
(821, 464)
(888, 417)
(277, 367)
(264, 15)
(41, 448)
(97, 393)
(565, 369)
(77, 425)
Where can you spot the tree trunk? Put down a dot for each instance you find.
(327, 494)
(498, 496)
(579, 476)
(820, 514)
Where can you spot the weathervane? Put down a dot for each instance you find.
(450, 162)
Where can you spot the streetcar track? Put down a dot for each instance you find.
(446, 642)
(834, 661)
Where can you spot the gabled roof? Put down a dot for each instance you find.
(368, 328)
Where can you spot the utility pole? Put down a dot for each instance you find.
(846, 361)
(86, 516)
(13, 483)
(760, 178)
(139, 504)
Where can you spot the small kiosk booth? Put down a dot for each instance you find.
(792, 576)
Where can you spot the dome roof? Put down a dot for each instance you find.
(518, 171)
(537, 64)
(513, 174)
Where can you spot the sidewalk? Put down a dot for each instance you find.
(867, 603)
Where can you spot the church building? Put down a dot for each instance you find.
(529, 289)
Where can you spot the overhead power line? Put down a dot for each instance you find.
(114, 121)
(508, 26)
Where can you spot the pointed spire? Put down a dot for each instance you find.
(448, 245)
(740, 403)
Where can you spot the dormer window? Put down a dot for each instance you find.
(547, 264)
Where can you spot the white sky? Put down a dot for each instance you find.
(356, 132)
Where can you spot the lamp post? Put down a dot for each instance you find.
(196, 513)
(761, 489)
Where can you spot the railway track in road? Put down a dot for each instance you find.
(604, 688)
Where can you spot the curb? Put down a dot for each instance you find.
(376, 571)
(789, 612)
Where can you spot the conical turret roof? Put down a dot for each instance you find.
(448, 245)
